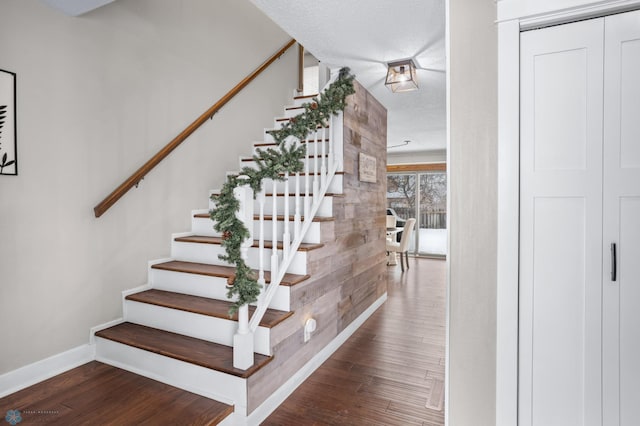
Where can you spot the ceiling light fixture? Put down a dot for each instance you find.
(401, 76)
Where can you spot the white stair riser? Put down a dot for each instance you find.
(311, 147)
(335, 187)
(206, 286)
(325, 209)
(268, 137)
(217, 330)
(312, 163)
(204, 226)
(312, 236)
(208, 253)
(299, 102)
(212, 384)
(288, 113)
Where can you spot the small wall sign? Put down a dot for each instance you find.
(8, 140)
(367, 168)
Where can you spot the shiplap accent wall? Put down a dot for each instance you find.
(349, 274)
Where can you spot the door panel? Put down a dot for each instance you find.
(629, 276)
(558, 316)
(621, 210)
(629, 105)
(561, 225)
(561, 110)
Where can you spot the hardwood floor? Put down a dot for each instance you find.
(391, 371)
(98, 394)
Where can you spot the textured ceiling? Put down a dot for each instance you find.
(367, 34)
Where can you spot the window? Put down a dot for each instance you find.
(422, 195)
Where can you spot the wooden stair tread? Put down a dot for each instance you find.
(97, 394)
(205, 239)
(281, 217)
(203, 306)
(292, 175)
(281, 194)
(221, 271)
(270, 194)
(261, 144)
(249, 159)
(306, 96)
(184, 348)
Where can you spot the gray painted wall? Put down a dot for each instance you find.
(97, 96)
(473, 173)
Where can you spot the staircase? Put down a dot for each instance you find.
(177, 328)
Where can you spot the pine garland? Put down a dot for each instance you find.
(272, 164)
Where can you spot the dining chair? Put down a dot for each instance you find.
(403, 246)
(391, 221)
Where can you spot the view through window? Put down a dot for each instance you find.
(422, 196)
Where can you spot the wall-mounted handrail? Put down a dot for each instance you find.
(300, 88)
(133, 180)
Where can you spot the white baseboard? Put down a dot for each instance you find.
(31, 374)
(270, 404)
(44, 369)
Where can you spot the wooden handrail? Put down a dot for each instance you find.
(300, 68)
(164, 152)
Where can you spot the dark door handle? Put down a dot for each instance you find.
(613, 262)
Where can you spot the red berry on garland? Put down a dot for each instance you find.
(314, 105)
(226, 235)
(293, 120)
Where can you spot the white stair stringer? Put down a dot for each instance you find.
(204, 327)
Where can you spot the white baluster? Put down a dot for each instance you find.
(243, 339)
(323, 168)
(296, 217)
(316, 183)
(274, 232)
(331, 153)
(307, 200)
(286, 236)
(261, 201)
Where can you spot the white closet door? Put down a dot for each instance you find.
(561, 225)
(621, 350)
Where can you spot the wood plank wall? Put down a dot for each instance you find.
(349, 274)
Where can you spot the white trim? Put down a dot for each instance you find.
(508, 10)
(270, 404)
(510, 22)
(508, 223)
(579, 13)
(447, 362)
(31, 374)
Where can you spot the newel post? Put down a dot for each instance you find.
(243, 339)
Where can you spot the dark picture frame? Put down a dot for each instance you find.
(8, 124)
